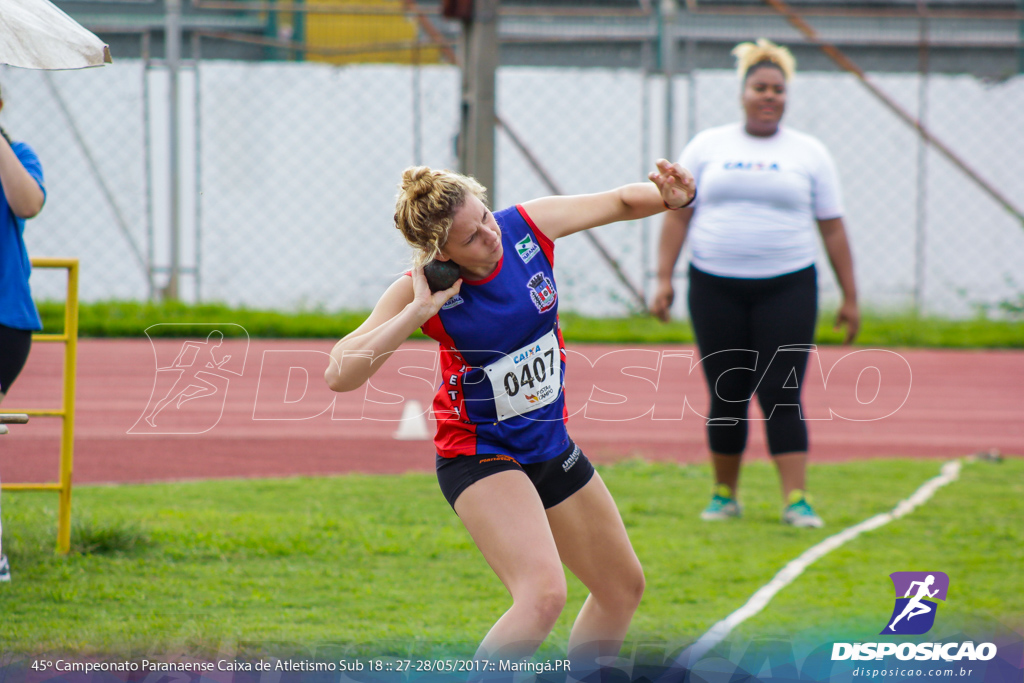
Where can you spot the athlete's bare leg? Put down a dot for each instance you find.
(593, 544)
(506, 519)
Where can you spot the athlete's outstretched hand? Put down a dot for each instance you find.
(430, 303)
(676, 184)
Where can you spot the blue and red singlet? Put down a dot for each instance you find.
(502, 355)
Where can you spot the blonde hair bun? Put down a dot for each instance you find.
(763, 50)
(417, 181)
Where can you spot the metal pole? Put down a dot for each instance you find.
(417, 114)
(921, 235)
(147, 155)
(299, 31)
(1020, 51)
(172, 52)
(645, 156)
(1020, 33)
(669, 12)
(198, 164)
(479, 71)
(272, 31)
(691, 87)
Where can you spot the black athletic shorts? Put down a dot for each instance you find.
(555, 479)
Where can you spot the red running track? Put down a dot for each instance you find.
(265, 411)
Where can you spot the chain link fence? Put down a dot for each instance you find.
(288, 172)
(89, 131)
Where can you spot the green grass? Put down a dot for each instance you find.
(130, 319)
(380, 564)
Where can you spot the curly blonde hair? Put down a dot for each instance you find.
(426, 205)
(764, 51)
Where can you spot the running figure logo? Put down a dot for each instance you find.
(914, 613)
(190, 387)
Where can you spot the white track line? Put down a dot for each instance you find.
(759, 600)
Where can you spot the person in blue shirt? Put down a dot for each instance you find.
(22, 197)
(523, 489)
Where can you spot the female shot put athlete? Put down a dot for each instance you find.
(525, 492)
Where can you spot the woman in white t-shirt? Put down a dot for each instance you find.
(763, 191)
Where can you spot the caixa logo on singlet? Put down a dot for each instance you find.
(452, 303)
(542, 292)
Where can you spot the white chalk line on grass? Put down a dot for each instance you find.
(759, 600)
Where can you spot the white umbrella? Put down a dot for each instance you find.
(35, 34)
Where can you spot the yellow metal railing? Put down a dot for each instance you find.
(67, 410)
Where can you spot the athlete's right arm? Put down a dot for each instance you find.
(405, 306)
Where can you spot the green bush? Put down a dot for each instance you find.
(132, 319)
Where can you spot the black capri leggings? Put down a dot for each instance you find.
(743, 328)
(14, 347)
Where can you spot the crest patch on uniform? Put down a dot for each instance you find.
(527, 249)
(542, 292)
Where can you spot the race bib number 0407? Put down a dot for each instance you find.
(526, 379)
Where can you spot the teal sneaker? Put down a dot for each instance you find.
(722, 505)
(5, 569)
(799, 512)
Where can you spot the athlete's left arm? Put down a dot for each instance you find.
(671, 186)
(833, 234)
